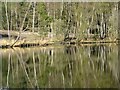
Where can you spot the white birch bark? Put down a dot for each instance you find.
(21, 28)
(6, 11)
(34, 3)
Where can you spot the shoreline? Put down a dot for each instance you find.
(29, 39)
(48, 42)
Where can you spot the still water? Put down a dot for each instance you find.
(84, 66)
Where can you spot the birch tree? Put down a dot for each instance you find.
(34, 4)
(21, 28)
(6, 10)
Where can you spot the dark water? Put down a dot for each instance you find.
(84, 66)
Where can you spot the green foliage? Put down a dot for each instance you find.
(74, 18)
(43, 19)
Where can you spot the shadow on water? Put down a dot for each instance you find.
(61, 66)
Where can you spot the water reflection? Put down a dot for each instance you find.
(61, 66)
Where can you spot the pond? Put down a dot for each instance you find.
(61, 66)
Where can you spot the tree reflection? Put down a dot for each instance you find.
(67, 66)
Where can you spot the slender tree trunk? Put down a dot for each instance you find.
(6, 10)
(54, 20)
(34, 3)
(61, 9)
(11, 17)
(16, 17)
(1, 28)
(48, 9)
(38, 23)
(101, 28)
(21, 28)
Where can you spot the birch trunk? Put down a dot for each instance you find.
(21, 28)
(16, 18)
(61, 8)
(101, 31)
(34, 3)
(6, 10)
(38, 23)
(11, 17)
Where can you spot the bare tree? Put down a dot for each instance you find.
(6, 11)
(34, 4)
(21, 28)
